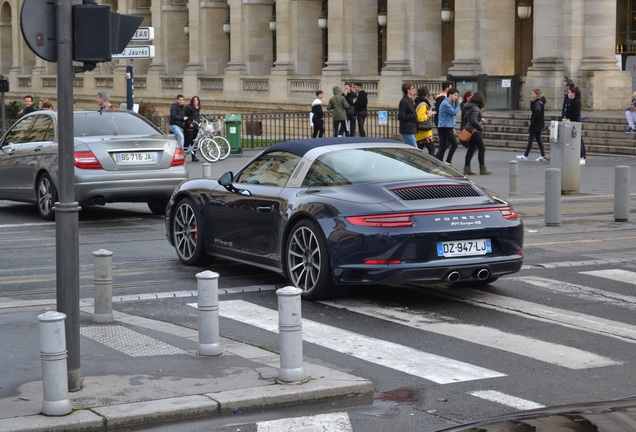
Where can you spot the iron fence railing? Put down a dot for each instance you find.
(260, 130)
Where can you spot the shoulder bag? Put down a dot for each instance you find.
(426, 125)
(465, 135)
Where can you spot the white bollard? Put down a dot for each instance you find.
(208, 305)
(621, 194)
(514, 177)
(207, 170)
(552, 196)
(54, 366)
(290, 328)
(103, 283)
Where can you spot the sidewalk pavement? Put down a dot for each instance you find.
(138, 370)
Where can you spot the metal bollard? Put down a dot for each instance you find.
(54, 368)
(103, 283)
(514, 177)
(290, 329)
(207, 170)
(208, 304)
(621, 193)
(552, 196)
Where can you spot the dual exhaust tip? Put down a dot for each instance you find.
(481, 274)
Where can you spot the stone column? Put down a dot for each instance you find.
(427, 52)
(484, 37)
(250, 37)
(304, 37)
(362, 26)
(604, 85)
(284, 37)
(158, 66)
(214, 43)
(399, 28)
(338, 14)
(196, 41)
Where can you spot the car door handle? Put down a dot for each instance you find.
(264, 209)
(37, 149)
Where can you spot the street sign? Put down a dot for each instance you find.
(144, 34)
(136, 51)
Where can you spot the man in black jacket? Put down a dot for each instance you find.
(177, 118)
(360, 104)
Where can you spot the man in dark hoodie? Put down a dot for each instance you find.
(537, 120)
(339, 105)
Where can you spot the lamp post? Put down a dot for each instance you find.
(226, 26)
(524, 9)
(322, 23)
(382, 21)
(447, 12)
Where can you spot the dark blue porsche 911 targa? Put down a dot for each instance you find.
(333, 212)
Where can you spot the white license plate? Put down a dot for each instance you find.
(136, 157)
(464, 248)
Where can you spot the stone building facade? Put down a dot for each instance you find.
(242, 55)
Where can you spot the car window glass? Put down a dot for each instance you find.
(272, 169)
(41, 129)
(20, 132)
(354, 166)
(111, 122)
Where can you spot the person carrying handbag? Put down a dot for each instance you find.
(472, 121)
(424, 137)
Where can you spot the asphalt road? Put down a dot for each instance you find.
(560, 331)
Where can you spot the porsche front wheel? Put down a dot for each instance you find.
(187, 233)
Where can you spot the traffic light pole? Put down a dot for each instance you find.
(67, 209)
(130, 85)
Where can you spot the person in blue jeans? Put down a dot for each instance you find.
(177, 119)
(407, 116)
(446, 123)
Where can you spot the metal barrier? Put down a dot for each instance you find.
(260, 130)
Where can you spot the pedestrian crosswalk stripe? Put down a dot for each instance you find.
(548, 352)
(504, 399)
(580, 291)
(336, 422)
(614, 274)
(432, 367)
(588, 323)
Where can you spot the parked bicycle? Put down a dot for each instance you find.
(209, 142)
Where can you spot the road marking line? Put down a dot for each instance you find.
(336, 422)
(560, 355)
(582, 292)
(614, 329)
(614, 274)
(432, 367)
(504, 399)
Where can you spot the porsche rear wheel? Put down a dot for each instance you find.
(307, 261)
(47, 196)
(187, 233)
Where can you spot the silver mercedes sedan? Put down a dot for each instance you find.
(119, 156)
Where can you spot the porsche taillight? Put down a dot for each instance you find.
(85, 159)
(179, 157)
(509, 213)
(383, 221)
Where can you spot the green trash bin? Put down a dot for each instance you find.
(233, 132)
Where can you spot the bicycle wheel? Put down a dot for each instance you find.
(224, 146)
(209, 150)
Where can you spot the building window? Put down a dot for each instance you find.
(626, 27)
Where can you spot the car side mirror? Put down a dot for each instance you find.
(226, 180)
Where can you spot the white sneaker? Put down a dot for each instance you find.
(522, 157)
(582, 161)
(540, 159)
